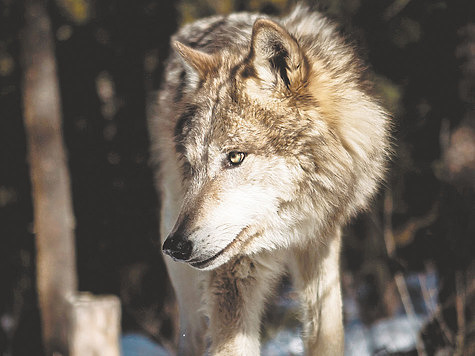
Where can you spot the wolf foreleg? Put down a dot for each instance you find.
(192, 323)
(236, 296)
(317, 280)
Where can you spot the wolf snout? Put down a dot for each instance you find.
(177, 247)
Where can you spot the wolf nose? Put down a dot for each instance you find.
(177, 248)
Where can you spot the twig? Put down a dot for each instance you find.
(460, 308)
(435, 312)
(398, 277)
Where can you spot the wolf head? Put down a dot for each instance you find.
(279, 144)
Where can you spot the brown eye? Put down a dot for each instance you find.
(236, 158)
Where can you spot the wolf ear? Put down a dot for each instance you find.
(276, 56)
(202, 63)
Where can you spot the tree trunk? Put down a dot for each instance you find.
(75, 325)
(53, 217)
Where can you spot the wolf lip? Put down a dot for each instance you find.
(206, 262)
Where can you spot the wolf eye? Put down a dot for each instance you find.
(236, 158)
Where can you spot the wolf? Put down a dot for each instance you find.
(267, 139)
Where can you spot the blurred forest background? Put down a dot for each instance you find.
(412, 255)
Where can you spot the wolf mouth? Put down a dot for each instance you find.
(205, 263)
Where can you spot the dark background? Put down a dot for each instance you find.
(110, 57)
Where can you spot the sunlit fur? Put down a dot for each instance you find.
(291, 95)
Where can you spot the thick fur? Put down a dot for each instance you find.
(289, 94)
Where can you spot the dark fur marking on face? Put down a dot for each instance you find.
(181, 125)
(181, 86)
(233, 71)
(233, 93)
(248, 71)
(187, 170)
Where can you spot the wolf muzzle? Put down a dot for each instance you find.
(177, 247)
